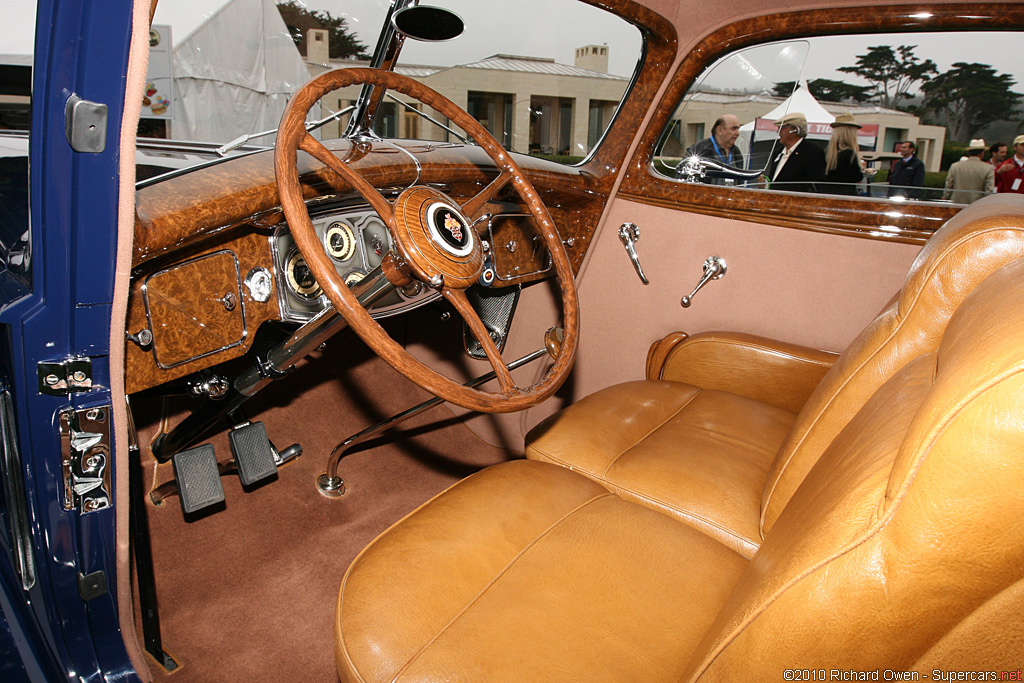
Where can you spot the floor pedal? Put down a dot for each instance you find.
(254, 456)
(198, 478)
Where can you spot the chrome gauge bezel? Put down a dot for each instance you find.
(307, 291)
(368, 233)
(340, 241)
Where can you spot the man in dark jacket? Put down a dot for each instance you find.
(800, 165)
(907, 175)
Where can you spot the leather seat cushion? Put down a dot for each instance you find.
(527, 572)
(699, 455)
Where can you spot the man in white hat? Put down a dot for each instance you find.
(800, 166)
(971, 179)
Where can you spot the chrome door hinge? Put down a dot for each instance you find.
(85, 458)
(65, 377)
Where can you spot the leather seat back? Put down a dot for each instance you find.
(976, 242)
(906, 538)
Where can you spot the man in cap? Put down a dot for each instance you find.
(800, 166)
(907, 174)
(971, 179)
(1010, 174)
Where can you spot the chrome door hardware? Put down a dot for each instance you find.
(629, 233)
(65, 377)
(714, 269)
(85, 458)
(85, 125)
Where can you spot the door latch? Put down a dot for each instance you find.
(629, 233)
(85, 458)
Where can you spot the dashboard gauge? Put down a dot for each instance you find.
(375, 241)
(340, 241)
(353, 276)
(299, 277)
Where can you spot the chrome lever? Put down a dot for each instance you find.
(629, 233)
(714, 269)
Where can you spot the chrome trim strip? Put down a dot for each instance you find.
(17, 503)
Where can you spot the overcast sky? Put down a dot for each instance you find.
(546, 28)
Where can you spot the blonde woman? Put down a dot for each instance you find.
(843, 167)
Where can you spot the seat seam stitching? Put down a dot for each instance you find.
(495, 579)
(758, 347)
(639, 494)
(652, 431)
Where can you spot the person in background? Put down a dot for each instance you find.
(800, 166)
(969, 180)
(843, 166)
(721, 146)
(907, 176)
(1010, 174)
(998, 154)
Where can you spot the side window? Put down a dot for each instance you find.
(900, 117)
(15, 118)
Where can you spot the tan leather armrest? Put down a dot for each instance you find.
(766, 370)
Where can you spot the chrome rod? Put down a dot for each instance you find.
(332, 486)
(325, 324)
(426, 116)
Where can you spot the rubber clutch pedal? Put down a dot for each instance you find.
(198, 478)
(254, 456)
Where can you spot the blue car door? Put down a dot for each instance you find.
(58, 609)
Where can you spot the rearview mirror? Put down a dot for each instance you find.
(429, 24)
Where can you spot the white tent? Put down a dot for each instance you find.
(18, 37)
(819, 120)
(801, 101)
(235, 73)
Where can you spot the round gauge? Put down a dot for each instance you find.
(299, 277)
(340, 241)
(353, 276)
(375, 241)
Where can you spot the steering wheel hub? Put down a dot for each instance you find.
(435, 237)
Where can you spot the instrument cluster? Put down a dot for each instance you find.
(356, 240)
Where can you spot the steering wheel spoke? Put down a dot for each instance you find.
(475, 203)
(313, 147)
(458, 299)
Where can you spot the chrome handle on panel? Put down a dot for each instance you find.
(629, 233)
(714, 269)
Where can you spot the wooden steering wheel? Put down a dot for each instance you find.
(435, 240)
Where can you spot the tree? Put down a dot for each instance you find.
(969, 97)
(828, 90)
(892, 72)
(343, 43)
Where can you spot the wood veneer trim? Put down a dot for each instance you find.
(858, 217)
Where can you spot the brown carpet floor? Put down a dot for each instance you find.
(248, 593)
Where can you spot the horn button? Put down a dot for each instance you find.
(436, 238)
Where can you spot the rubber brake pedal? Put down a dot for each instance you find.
(198, 478)
(254, 455)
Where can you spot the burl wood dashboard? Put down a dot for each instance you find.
(214, 260)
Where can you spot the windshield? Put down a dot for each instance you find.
(544, 76)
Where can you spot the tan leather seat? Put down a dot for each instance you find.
(727, 463)
(901, 547)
